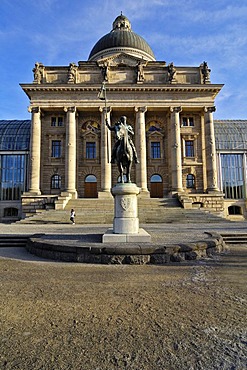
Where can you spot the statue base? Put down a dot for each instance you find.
(141, 237)
(126, 221)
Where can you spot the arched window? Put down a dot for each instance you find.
(90, 178)
(156, 178)
(190, 181)
(56, 182)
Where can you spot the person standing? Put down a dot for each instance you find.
(72, 216)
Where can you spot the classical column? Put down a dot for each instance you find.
(210, 150)
(204, 169)
(35, 157)
(105, 155)
(140, 141)
(176, 158)
(70, 152)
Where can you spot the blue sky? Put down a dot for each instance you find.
(185, 32)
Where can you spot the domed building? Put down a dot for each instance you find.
(169, 107)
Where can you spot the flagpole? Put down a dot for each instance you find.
(102, 96)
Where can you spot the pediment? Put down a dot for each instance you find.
(155, 134)
(90, 135)
(120, 59)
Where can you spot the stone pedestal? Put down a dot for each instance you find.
(125, 209)
(126, 221)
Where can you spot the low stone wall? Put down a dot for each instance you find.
(212, 202)
(144, 253)
(32, 204)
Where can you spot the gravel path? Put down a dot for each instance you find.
(61, 316)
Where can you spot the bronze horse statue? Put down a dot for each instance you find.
(124, 153)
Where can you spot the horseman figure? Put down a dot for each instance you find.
(124, 150)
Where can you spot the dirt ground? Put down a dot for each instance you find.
(92, 317)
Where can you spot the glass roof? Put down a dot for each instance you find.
(14, 134)
(230, 135)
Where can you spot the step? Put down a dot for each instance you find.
(101, 211)
(235, 238)
(13, 240)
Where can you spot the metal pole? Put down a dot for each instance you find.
(102, 96)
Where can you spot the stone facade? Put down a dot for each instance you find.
(171, 111)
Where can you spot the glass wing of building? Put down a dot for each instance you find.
(231, 145)
(14, 150)
(14, 135)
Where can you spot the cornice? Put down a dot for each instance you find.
(123, 88)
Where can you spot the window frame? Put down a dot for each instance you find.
(189, 150)
(91, 150)
(54, 148)
(57, 121)
(56, 180)
(187, 121)
(155, 147)
(190, 182)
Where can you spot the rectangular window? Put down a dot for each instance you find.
(53, 121)
(184, 121)
(191, 121)
(155, 149)
(12, 174)
(189, 148)
(188, 121)
(56, 121)
(90, 150)
(60, 121)
(56, 149)
(232, 169)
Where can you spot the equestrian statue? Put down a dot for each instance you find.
(124, 151)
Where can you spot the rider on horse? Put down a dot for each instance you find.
(116, 128)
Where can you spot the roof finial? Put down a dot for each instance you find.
(121, 12)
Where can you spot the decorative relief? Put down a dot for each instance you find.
(126, 203)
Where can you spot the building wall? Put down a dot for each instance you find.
(161, 166)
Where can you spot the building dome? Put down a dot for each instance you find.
(121, 39)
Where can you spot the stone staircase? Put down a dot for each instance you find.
(101, 211)
(235, 238)
(13, 240)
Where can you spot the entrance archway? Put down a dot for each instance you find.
(91, 187)
(156, 188)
